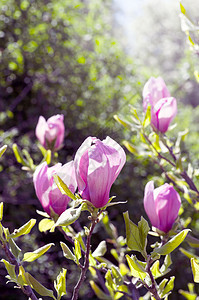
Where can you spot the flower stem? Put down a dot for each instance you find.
(86, 262)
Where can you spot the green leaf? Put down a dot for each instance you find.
(188, 254)
(47, 156)
(1, 211)
(155, 269)
(169, 287)
(80, 240)
(63, 187)
(67, 252)
(119, 279)
(60, 284)
(31, 256)
(18, 155)
(29, 159)
(137, 269)
(69, 216)
(147, 119)
(195, 269)
(25, 229)
(165, 267)
(46, 224)
(42, 213)
(136, 235)
(183, 10)
(187, 295)
(130, 147)
(171, 244)
(14, 248)
(10, 268)
(125, 124)
(109, 280)
(143, 232)
(162, 285)
(99, 293)
(38, 287)
(77, 250)
(3, 149)
(100, 250)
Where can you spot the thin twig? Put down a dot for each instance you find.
(86, 263)
(153, 288)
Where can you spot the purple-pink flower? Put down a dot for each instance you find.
(97, 165)
(50, 133)
(161, 205)
(47, 191)
(163, 113)
(154, 90)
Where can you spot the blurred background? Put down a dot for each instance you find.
(87, 60)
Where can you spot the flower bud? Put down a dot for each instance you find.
(50, 133)
(97, 165)
(163, 113)
(154, 90)
(46, 189)
(161, 205)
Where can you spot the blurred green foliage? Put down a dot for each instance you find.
(62, 57)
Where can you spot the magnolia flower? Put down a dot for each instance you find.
(47, 191)
(154, 90)
(97, 165)
(50, 133)
(163, 113)
(161, 205)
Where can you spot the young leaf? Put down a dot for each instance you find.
(171, 244)
(130, 147)
(125, 124)
(63, 187)
(1, 211)
(38, 287)
(147, 118)
(2, 150)
(117, 276)
(80, 240)
(31, 256)
(109, 280)
(137, 270)
(143, 232)
(136, 235)
(100, 250)
(67, 252)
(25, 229)
(46, 224)
(195, 269)
(99, 293)
(169, 287)
(77, 250)
(15, 249)
(10, 268)
(60, 284)
(155, 269)
(69, 216)
(18, 155)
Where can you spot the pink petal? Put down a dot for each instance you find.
(149, 204)
(41, 130)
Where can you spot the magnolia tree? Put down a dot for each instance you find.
(83, 186)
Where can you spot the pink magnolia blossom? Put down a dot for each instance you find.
(161, 205)
(162, 113)
(97, 165)
(154, 90)
(50, 133)
(47, 191)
